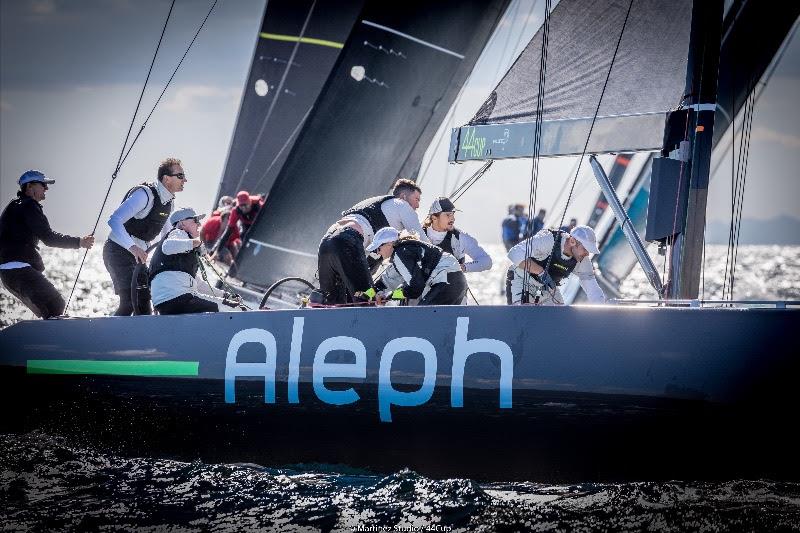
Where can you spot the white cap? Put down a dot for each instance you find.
(383, 236)
(585, 235)
(35, 175)
(182, 214)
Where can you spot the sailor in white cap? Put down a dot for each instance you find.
(549, 257)
(22, 225)
(174, 266)
(418, 269)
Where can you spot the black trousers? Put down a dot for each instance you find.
(450, 293)
(120, 263)
(34, 290)
(343, 268)
(186, 303)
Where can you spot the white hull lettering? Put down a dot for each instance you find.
(356, 372)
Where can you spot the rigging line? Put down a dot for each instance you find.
(743, 182)
(597, 109)
(285, 145)
(536, 145)
(278, 91)
(733, 171)
(122, 150)
(169, 81)
(735, 198)
(481, 171)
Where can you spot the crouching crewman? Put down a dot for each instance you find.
(173, 268)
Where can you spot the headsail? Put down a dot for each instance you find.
(260, 143)
(397, 75)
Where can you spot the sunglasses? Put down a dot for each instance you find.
(179, 175)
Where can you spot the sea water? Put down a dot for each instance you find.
(50, 483)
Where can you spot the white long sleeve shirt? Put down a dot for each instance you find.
(137, 205)
(399, 214)
(465, 246)
(540, 246)
(170, 284)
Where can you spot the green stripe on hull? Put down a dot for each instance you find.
(119, 368)
(304, 40)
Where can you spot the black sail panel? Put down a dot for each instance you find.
(254, 160)
(397, 70)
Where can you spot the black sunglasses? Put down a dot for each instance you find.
(179, 175)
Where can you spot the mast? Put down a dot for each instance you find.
(700, 99)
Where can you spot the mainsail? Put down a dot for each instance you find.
(399, 72)
(647, 80)
(282, 87)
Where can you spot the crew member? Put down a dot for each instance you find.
(342, 271)
(174, 266)
(549, 257)
(440, 228)
(513, 225)
(241, 219)
(140, 218)
(22, 225)
(419, 270)
(212, 230)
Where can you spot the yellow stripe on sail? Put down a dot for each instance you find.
(304, 40)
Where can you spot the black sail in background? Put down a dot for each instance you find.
(400, 69)
(254, 161)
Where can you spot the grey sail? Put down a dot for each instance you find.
(399, 71)
(647, 80)
(272, 113)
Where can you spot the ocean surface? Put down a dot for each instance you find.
(50, 483)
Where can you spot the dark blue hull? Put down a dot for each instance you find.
(569, 393)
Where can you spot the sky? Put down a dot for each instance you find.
(71, 72)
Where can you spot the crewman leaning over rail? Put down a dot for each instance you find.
(539, 263)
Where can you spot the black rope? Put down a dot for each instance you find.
(744, 155)
(596, 111)
(591, 128)
(464, 187)
(277, 95)
(536, 143)
(122, 150)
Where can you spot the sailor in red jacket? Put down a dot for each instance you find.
(241, 218)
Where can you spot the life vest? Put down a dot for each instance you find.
(149, 227)
(188, 262)
(371, 210)
(447, 245)
(559, 268)
(409, 251)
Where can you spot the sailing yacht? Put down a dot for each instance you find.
(490, 392)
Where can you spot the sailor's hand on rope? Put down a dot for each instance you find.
(139, 254)
(87, 242)
(545, 279)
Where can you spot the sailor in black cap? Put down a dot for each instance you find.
(440, 229)
(22, 225)
(140, 218)
(174, 266)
